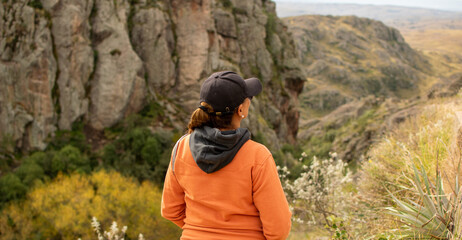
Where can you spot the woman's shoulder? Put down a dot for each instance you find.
(257, 148)
(257, 145)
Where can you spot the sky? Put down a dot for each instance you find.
(450, 5)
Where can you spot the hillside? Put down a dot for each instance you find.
(436, 33)
(349, 57)
(362, 79)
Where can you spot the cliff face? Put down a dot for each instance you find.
(98, 61)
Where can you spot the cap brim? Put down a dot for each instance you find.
(253, 86)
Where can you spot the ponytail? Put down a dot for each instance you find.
(201, 117)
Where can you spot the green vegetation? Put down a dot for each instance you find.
(35, 4)
(115, 52)
(139, 153)
(320, 145)
(132, 148)
(11, 188)
(7, 153)
(270, 26)
(226, 3)
(74, 137)
(40, 167)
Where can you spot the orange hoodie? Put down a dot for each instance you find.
(242, 200)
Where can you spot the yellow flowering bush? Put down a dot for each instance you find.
(63, 209)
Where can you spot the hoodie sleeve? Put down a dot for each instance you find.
(270, 200)
(173, 204)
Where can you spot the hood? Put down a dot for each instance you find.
(213, 149)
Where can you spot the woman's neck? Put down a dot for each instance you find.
(235, 123)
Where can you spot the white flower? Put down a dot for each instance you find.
(140, 237)
(94, 223)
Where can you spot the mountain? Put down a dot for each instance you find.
(96, 62)
(394, 16)
(362, 79)
(424, 29)
(346, 58)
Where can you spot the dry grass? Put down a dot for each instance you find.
(446, 41)
(427, 138)
(442, 48)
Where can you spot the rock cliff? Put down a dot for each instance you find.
(97, 61)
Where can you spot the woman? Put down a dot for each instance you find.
(220, 184)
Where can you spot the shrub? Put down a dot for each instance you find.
(319, 192)
(74, 137)
(69, 159)
(139, 153)
(151, 151)
(11, 188)
(43, 159)
(438, 213)
(63, 208)
(29, 172)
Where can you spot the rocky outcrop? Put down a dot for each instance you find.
(153, 39)
(97, 61)
(446, 87)
(28, 71)
(117, 87)
(71, 32)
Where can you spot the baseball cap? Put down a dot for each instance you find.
(226, 90)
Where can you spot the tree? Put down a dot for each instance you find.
(11, 188)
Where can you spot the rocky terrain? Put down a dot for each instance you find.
(362, 79)
(346, 58)
(97, 61)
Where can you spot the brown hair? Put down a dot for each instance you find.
(200, 118)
